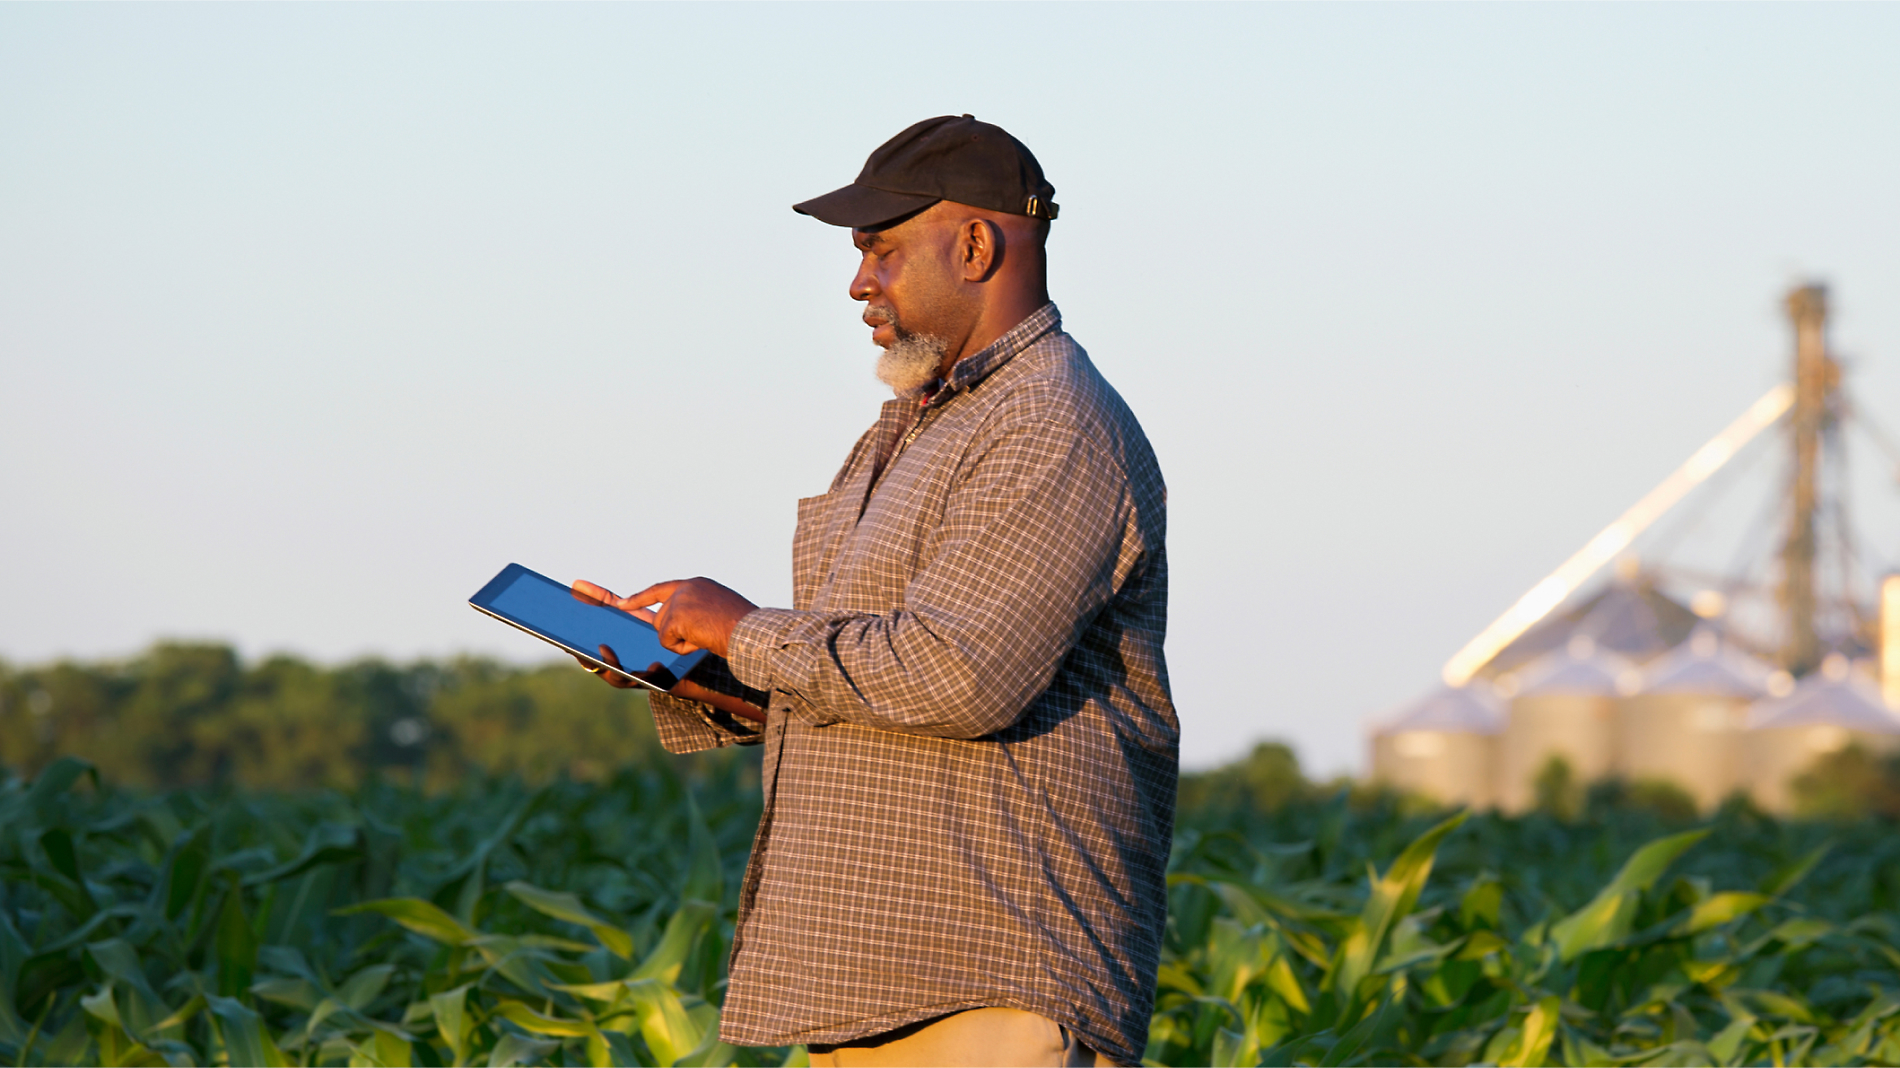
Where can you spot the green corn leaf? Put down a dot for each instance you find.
(1281, 980)
(1533, 1042)
(711, 1053)
(299, 994)
(1482, 904)
(75, 900)
(1607, 919)
(682, 931)
(328, 843)
(620, 1051)
(391, 1050)
(1726, 1047)
(1231, 1049)
(58, 777)
(1393, 896)
(705, 880)
(1251, 904)
(235, 946)
(670, 1032)
(513, 1049)
(1785, 879)
(383, 1048)
(189, 862)
(422, 917)
(185, 1012)
(362, 988)
(121, 962)
(1481, 944)
(1801, 933)
(451, 1020)
(513, 958)
(320, 1015)
(568, 908)
(1350, 1043)
(61, 877)
(118, 960)
(462, 886)
(118, 1049)
(540, 941)
(61, 852)
(13, 955)
(536, 1023)
(102, 1005)
(68, 1044)
(13, 1030)
(242, 1031)
(1775, 1003)
(606, 993)
(1178, 975)
(1718, 909)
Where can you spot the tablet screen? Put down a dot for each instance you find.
(548, 610)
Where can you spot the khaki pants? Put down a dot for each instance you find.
(978, 1038)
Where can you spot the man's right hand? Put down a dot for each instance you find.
(691, 691)
(695, 613)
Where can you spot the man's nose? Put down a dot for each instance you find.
(863, 284)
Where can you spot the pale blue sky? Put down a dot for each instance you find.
(311, 317)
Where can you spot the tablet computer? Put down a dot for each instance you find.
(533, 602)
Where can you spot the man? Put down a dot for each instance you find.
(970, 747)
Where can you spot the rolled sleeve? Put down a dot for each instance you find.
(687, 726)
(1032, 552)
(756, 646)
(691, 727)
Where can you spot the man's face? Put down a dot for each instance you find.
(907, 276)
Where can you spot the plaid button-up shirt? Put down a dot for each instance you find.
(971, 751)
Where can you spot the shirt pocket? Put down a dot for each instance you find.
(808, 545)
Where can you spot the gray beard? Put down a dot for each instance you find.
(911, 362)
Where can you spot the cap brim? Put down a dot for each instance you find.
(861, 207)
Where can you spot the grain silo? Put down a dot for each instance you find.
(1828, 711)
(1545, 651)
(1443, 746)
(1563, 707)
(1630, 618)
(1685, 723)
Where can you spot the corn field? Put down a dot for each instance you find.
(588, 924)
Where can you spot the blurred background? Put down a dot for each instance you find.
(311, 318)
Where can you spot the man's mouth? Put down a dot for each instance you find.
(883, 326)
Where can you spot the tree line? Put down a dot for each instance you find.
(196, 714)
(185, 714)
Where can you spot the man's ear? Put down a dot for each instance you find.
(982, 250)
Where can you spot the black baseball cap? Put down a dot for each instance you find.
(951, 157)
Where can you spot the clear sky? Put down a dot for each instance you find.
(311, 317)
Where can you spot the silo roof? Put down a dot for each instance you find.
(1471, 709)
(1821, 701)
(1578, 668)
(1630, 618)
(1706, 664)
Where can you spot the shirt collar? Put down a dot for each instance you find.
(970, 370)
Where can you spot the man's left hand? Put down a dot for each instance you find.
(695, 613)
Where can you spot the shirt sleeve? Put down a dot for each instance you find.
(691, 726)
(1034, 542)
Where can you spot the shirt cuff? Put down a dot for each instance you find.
(754, 647)
(690, 727)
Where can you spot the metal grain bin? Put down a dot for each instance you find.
(1565, 706)
(1443, 746)
(1628, 618)
(1828, 711)
(1685, 723)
